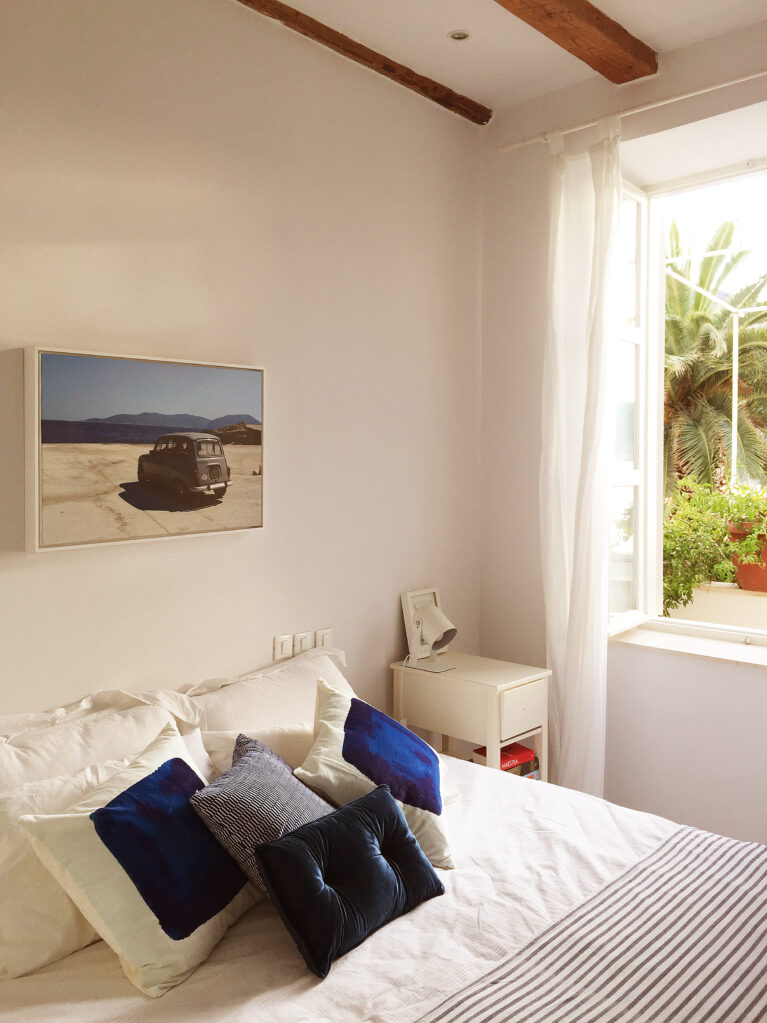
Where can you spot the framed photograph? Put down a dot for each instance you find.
(123, 449)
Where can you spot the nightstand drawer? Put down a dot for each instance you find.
(523, 708)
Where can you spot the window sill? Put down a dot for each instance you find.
(698, 640)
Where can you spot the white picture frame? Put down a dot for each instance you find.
(412, 600)
(87, 421)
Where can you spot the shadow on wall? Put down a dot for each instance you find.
(12, 430)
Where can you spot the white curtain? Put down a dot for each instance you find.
(585, 196)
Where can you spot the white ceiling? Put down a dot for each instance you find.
(505, 61)
(739, 136)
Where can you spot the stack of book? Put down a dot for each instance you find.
(515, 759)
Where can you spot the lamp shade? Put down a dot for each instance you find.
(436, 628)
(428, 629)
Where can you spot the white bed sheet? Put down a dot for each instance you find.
(526, 854)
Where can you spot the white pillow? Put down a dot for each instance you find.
(280, 696)
(212, 685)
(143, 869)
(292, 744)
(39, 923)
(69, 747)
(180, 706)
(200, 757)
(359, 747)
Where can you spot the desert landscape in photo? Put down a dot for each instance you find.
(91, 490)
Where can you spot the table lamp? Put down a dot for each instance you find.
(428, 629)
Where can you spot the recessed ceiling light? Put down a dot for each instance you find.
(459, 34)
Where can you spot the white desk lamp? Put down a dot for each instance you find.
(428, 629)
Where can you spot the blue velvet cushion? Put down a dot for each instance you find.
(338, 879)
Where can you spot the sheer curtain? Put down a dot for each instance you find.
(585, 195)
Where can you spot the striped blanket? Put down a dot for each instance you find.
(681, 936)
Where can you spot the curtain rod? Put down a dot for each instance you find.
(546, 135)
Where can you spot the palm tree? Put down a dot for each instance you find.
(697, 410)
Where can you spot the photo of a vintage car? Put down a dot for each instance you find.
(187, 464)
(191, 432)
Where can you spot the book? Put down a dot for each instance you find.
(529, 769)
(511, 756)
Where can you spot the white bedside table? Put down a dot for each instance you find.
(487, 702)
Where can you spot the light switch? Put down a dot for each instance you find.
(323, 637)
(302, 641)
(283, 647)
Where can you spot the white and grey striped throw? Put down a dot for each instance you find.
(681, 936)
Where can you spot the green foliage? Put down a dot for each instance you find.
(697, 408)
(697, 547)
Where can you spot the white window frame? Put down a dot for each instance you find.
(641, 476)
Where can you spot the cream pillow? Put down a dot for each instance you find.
(281, 696)
(292, 744)
(67, 748)
(39, 923)
(180, 706)
(142, 867)
(358, 747)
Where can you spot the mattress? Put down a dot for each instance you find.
(526, 855)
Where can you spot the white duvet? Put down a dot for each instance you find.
(526, 853)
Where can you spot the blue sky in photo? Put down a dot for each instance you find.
(77, 387)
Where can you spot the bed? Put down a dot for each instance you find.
(561, 907)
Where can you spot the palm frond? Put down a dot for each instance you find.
(698, 441)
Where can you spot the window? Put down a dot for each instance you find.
(715, 427)
(706, 277)
(626, 376)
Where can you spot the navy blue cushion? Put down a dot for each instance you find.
(177, 866)
(338, 879)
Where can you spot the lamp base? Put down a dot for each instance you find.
(428, 664)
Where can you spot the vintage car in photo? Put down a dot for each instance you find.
(187, 464)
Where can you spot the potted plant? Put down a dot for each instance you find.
(699, 546)
(747, 527)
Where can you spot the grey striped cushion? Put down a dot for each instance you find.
(257, 800)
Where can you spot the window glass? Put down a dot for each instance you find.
(624, 395)
(626, 279)
(208, 447)
(622, 558)
(622, 388)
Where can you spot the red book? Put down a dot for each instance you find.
(511, 756)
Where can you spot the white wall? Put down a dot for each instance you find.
(666, 702)
(185, 178)
(686, 739)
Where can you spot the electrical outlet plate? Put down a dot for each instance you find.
(283, 647)
(302, 641)
(323, 637)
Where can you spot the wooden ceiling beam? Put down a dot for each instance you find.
(326, 36)
(583, 30)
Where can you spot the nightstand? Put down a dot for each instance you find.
(485, 702)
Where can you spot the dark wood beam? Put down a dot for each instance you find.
(320, 33)
(583, 30)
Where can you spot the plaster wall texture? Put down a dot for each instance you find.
(177, 189)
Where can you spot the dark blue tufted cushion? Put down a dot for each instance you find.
(338, 879)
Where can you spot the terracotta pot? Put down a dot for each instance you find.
(749, 577)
